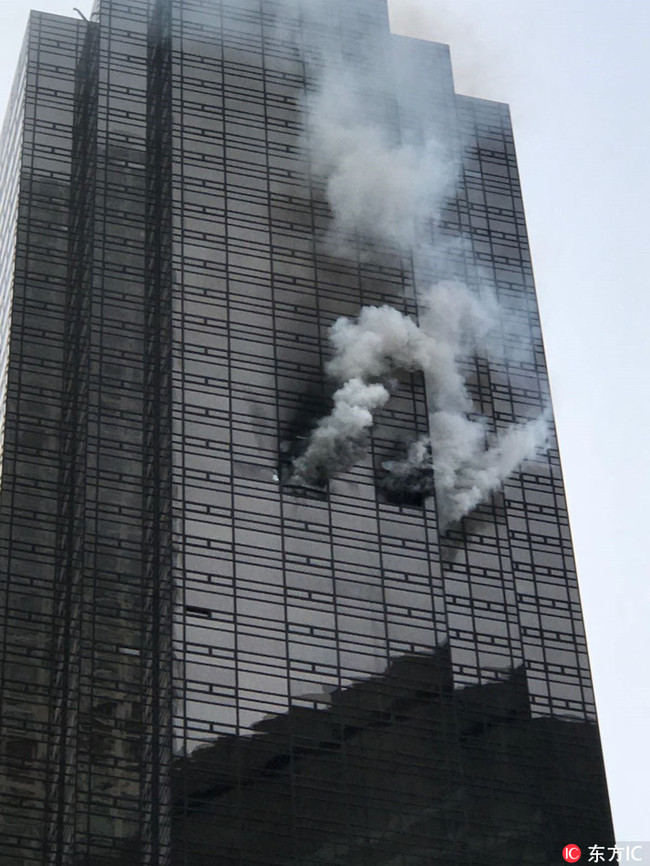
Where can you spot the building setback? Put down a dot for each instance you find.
(212, 654)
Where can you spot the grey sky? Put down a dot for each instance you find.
(575, 73)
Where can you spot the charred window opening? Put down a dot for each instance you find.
(407, 479)
(295, 435)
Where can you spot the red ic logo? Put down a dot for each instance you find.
(571, 853)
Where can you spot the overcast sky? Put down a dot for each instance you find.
(576, 74)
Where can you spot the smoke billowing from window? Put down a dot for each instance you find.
(469, 463)
(380, 343)
(339, 437)
(389, 190)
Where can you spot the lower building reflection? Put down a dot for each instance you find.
(399, 769)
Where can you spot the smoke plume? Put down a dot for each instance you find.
(338, 438)
(468, 463)
(376, 186)
(370, 350)
(391, 190)
(466, 472)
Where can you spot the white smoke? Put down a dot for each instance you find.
(391, 191)
(376, 186)
(339, 437)
(382, 340)
(468, 464)
(413, 474)
(379, 343)
(466, 472)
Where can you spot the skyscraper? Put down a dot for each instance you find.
(287, 572)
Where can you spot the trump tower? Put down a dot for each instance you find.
(286, 575)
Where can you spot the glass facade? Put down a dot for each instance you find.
(203, 663)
